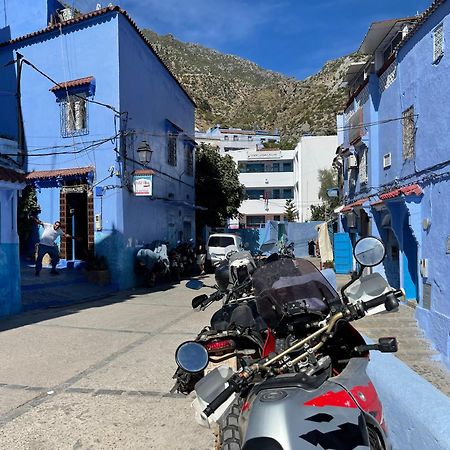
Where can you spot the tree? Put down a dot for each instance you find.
(328, 180)
(290, 211)
(217, 187)
(27, 206)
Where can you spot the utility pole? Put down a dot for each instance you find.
(20, 128)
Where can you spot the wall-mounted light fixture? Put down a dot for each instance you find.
(144, 152)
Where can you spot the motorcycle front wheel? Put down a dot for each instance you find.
(229, 437)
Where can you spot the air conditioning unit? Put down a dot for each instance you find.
(352, 162)
(387, 160)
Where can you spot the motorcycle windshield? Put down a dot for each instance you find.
(291, 287)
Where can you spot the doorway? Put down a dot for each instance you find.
(75, 220)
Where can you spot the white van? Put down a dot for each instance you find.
(215, 248)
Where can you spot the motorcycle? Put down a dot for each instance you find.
(152, 260)
(313, 392)
(176, 265)
(236, 333)
(187, 254)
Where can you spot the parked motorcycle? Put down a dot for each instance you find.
(152, 260)
(176, 265)
(236, 334)
(313, 392)
(186, 252)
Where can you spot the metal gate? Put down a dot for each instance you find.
(343, 253)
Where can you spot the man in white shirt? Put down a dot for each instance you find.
(47, 245)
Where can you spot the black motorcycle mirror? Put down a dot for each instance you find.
(198, 301)
(368, 252)
(191, 357)
(195, 284)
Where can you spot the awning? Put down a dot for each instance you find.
(56, 177)
(412, 189)
(144, 172)
(356, 204)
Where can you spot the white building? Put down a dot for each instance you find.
(312, 153)
(268, 177)
(232, 139)
(271, 176)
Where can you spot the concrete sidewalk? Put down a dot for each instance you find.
(69, 287)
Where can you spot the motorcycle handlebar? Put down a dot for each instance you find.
(203, 301)
(220, 399)
(390, 300)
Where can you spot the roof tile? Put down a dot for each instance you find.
(144, 172)
(91, 15)
(58, 173)
(72, 83)
(412, 189)
(11, 175)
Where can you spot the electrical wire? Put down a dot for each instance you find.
(73, 152)
(35, 149)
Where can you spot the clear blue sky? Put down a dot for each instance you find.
(294, 37)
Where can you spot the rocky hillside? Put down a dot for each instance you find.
(233, 91)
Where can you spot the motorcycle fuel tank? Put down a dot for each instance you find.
(327, 417)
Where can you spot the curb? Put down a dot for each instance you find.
(417, 414)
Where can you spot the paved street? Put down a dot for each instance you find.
(97, 376)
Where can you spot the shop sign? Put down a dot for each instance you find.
(264, 154)
(73, 189)
(143, 185)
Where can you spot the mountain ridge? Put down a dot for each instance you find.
(233, 91)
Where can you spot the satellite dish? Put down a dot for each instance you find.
(99, 6)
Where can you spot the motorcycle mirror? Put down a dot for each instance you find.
(191, 357)
(194, 284)
(197, 301)
(369, 251)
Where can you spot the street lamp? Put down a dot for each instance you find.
(144, 152)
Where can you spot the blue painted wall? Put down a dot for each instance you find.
(9, 251)
(425, 84)
(129, 77)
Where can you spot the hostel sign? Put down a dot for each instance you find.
(143, 185)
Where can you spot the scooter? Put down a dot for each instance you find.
(313, 392)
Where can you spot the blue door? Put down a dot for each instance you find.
(343, 253)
